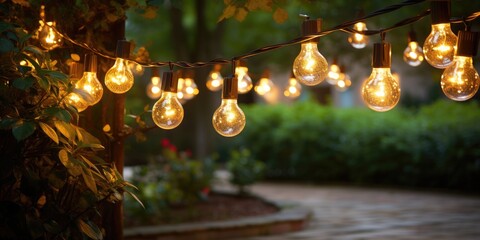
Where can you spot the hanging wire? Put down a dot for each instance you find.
(345, 27)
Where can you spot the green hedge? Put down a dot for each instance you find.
(434, 146)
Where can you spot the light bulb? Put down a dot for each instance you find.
(74, 98)
(229, 120)
(310, 67)
(293, 88)
(413, 54)
(343, 82)
(119, 79)
(439, 47)
(215, 79)
(460, 81)
(333, 73)
(154, 89)
(358, 40)
(264, 85)
(48, 37)
(189, 88)
(77, 101)
(167, 113)
(89, 83)
(244, 81)
(380, 91)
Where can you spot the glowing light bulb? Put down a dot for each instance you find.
(215, 79)
(460, 81)
(77, 101)
(75, 98)
(343, 82)
(89, 82)
(358, 40)
(310, 67)
(48, 37)
(167, 113)
(413, 54)
(293, 88)
(189, 88)
(439, 47)
(380, 91)
(265, 85)
(229, 120)
(244, 81)
(333, 73)
(154, 89)
(119, 79)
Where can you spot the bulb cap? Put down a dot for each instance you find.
(265, 74)
(412, 36)
(311, 27)
(189, 74)
(90, 62)
(169, 82)
(467, 44)
(230, 88)
(381, 55)
(440, 11)
(155, 72)
(76, 70)
(123, 49)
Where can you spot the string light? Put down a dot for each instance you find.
(344, 81)
(333, 73)
(439, 46)
(119, 79)
(229, 120)
(413, 54)
(310, 67)
(460, 81)
(187, 88)
(74, 98)
(264, 85)
(89, 82)
(154, 90)
(358, 40)
(380, 91)
(293, 88)
(47, 35)
(244, 81)
(215, 79)
(167, 113)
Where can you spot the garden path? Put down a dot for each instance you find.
(354, 213)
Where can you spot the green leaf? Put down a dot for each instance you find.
(6, 45)
(59, 113)
(5, 26)
(49, 131)
(58, 76)
(63, 156)
(136, 198)
(35, 50)
(7, 123)
(91, 230)
(65, 129)
(88, 138)
(23, 130)
(23, 83)
(41, 79)
(89, 180)
(91, 145)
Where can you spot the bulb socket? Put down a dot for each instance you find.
(189, 74)
(343, 68)
(155, 72)
(311, 27)
(240, 63)
(265, 74)
(230, 88)
(467, 44)
(169, 82)
(217, 67)
(76, 70)
(412, 36)
(440, 11)
(123, 49)
(90, 62)
(381, 55)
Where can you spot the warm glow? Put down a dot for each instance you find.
(333, 74)
(380, 91)
(293, 89)
(119, 79)
(154, 90)
(440, 46)
(214, 81)
(89, 83)
(167, 113)
(310, 67)
(187, 88)
(49, 38)
(358, 40)
(460, 81)
(77, 101)
(264, 86)
(343, 82)
(228, 120)
(244, 81)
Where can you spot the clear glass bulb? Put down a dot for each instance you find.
(214, 81)
(333, 74)
(228, 120)
(119, 79)
(358, 40)
(77, 101)
(49, 39)
(460, 81)
(244, 81)
(310, 67)
(440, 46)
(89, 83)
(380, 91)
(343, 82)
(293, 89)
(413, 54)
(264, 86)
(188, 89)
(167, 113)
(154, 89)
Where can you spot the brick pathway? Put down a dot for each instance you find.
(348, 213)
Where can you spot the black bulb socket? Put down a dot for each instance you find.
(169, 82)
(76, 70)
(230, 88)
(440, 11)
(381, 55)
(412, 36)
(312, 27)
(90, 62)
(467, 43)
(123, 49)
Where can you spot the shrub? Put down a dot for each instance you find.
(245, 170)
